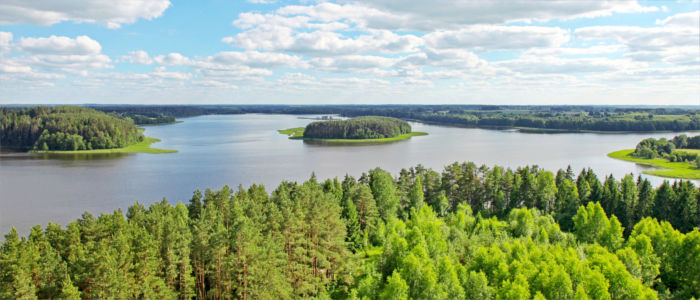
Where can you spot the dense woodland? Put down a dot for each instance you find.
(468, 232)
(567, 118)
(64, 128)
(663, 148)
(369, 127)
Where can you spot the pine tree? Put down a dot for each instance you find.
(354, 231)
(68, 290)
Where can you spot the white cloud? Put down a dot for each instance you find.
(172, 59)
(162, 73)
(441, 14)
(490, 37)
(138, 57)
(59, 53)
(564, 51)
(254, 59)
(554, 65)
(5, 39)
(691, 20)
(350, 63)
(48, 12)
(280, 38)
(642, 38)
(450, 59)
(60, 45)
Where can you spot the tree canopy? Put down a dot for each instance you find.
(368, 127)
(64, 128)
(466, 233)
(653, 148)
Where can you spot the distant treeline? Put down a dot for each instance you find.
(64, 128)
(369, 127)
(152, 119)
(468, 232)
(569, 118)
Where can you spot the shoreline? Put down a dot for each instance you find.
(676, 170)
(140, 147)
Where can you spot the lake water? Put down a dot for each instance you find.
(244, 149)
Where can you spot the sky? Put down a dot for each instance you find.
(542, 52)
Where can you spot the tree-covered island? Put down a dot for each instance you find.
(71, 129)
(680, 156)
(356, 130)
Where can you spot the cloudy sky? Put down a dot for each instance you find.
(365, 51)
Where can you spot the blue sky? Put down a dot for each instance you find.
(357, 52)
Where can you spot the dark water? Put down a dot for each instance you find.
(246, 149)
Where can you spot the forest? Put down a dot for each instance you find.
(541, 118)
(64, 128)
(368, 127)
(468, 232)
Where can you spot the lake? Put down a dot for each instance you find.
(216, 150)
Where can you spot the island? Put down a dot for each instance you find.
(71, 130)
(679, 156)
(366, 129)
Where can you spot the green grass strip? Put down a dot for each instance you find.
(141, 147)
(672, 169)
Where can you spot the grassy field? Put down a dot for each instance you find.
(142, 147)
(293, 133)
(298, 134)
(672, 169)
(691, 151)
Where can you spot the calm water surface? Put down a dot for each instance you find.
(245, 149)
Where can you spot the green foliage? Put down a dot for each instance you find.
(470, 232)
(531, 118)
(65, 128)
(653, 148)
(357, 128)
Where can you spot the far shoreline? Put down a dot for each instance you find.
(140, 147)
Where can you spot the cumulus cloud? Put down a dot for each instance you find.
(441, 14)
(253, 59)
(350, 63)
(490, 37)
(554, 65)
(138, 57)
(642, 38)
(5, 38)
(690, 20)
(48, 12)
(280, 38)
(674, 42)
(172, 59)
(60, 53)
(60, 45)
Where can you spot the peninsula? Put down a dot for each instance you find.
(677, 157)
(71, 129)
